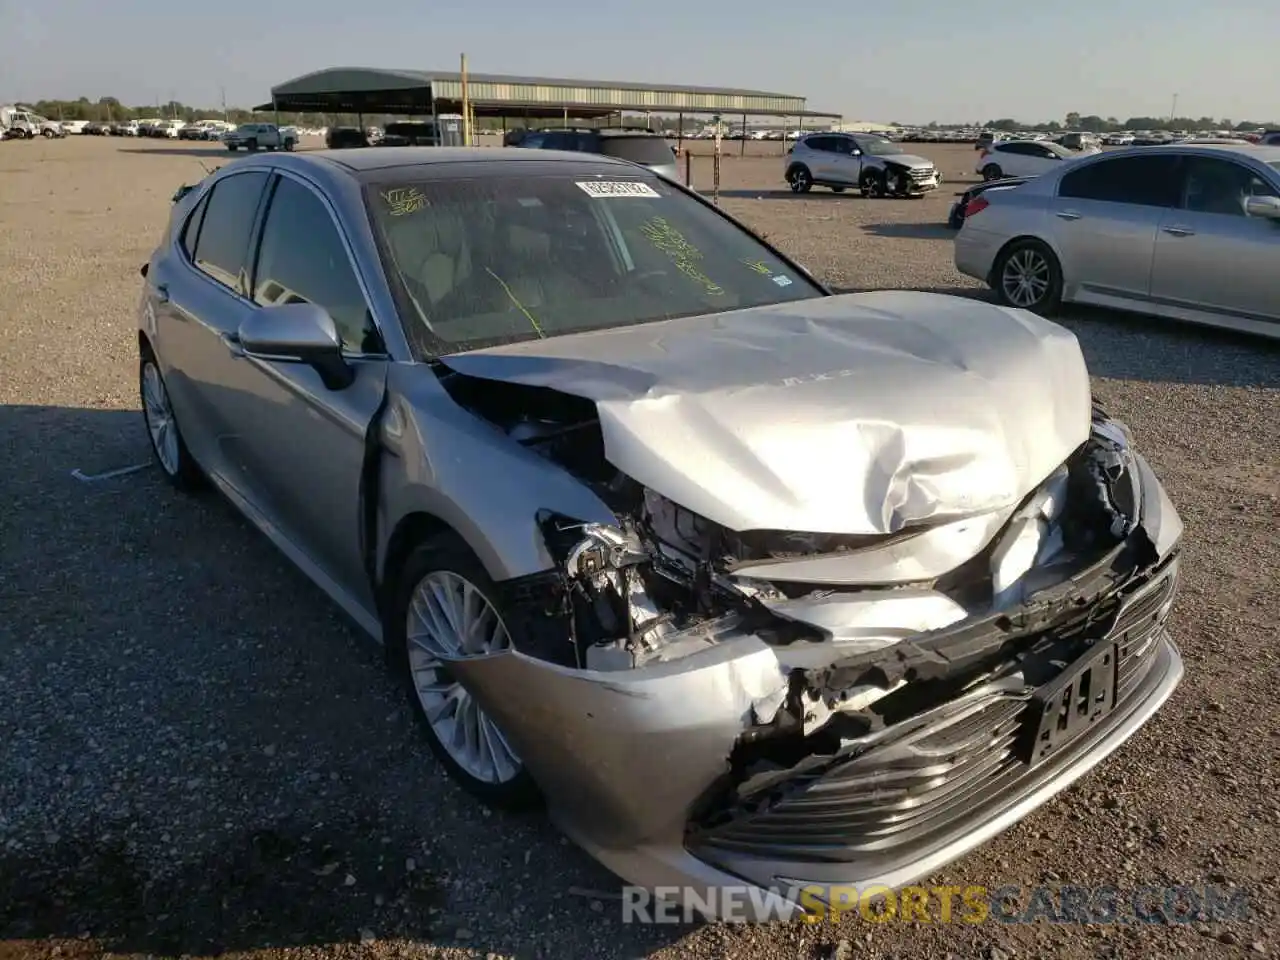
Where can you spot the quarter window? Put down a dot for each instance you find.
(222, 246)
(302, 259)
(191, 231)
(1150, 181)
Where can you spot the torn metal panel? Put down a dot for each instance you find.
(794, 417)
(925, 555)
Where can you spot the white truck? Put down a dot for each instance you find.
(19, 123)
(261, 136)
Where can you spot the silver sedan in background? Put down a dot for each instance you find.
(751, 582)
(1187, 231)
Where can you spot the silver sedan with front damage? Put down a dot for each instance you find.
(754, 584)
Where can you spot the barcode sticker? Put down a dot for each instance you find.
(616, 188)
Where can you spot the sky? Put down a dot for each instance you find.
(908, 61)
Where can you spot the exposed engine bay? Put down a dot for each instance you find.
(664, 582)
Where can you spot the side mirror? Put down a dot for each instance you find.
(1268, 208)
(298, 333)
(855, 152)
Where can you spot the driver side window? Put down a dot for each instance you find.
(302, 259)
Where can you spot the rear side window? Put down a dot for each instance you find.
(819, 143)
(638, 149)
(1150, 181)
(223, 244)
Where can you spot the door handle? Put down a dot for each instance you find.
(232, 342)
(162, 292)
(1067, 215)
(1178, 231)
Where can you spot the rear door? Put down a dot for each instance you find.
(1105, 218)
(303, 445)
(820, 158)
(1210, 254)
(199, 297)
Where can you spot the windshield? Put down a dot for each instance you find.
(1057, 148)
(496, 260)
(879, 148)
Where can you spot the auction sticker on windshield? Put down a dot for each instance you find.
(617, 188)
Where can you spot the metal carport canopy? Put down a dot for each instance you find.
(417, 92)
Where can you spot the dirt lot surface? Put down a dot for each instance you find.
(198, 755)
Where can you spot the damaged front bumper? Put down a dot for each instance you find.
(640, 766)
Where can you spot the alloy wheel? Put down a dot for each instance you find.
(450, 618)
(161, 426)
(1025, 278)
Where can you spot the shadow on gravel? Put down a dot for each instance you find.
(1125, 346)
(910, 231)
(241, 772)
(819, 193)
(288, 884)
(210, 151)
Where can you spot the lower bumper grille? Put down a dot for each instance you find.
(935, 769)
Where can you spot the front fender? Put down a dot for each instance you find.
(440, 459)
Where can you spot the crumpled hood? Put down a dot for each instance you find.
(909, 160)
(853, 414)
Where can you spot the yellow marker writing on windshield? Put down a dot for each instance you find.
(684, 254)
(403, 200)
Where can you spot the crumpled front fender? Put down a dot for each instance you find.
(623, 756)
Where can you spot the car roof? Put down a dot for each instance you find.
(445, 161)
(1263, 153)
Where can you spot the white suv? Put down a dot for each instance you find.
(874, 165)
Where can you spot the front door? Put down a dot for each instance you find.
(1210, 255)
(304, 444)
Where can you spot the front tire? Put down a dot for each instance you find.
(48, 134)
(440, 587)
(167, 446)
(992, 172)
(1027, 275)
(872, 184)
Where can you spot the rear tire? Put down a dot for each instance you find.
(1027, 275)
(442, 563)
(167, 446)
(837, 189)
(800, 179)
(992, 172)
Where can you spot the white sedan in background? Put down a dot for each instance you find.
(1024, 158)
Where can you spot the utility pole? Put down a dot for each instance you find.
(223, 93)
(1173, 111)
(466, 106)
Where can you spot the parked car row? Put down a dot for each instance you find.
(1188, 231)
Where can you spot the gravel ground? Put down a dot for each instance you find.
(199, 756)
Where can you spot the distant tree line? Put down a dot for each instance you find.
(109, 108)
(1092, 123)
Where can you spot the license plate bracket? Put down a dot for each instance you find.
(1078, 698)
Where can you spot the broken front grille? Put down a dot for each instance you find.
(927, 774)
